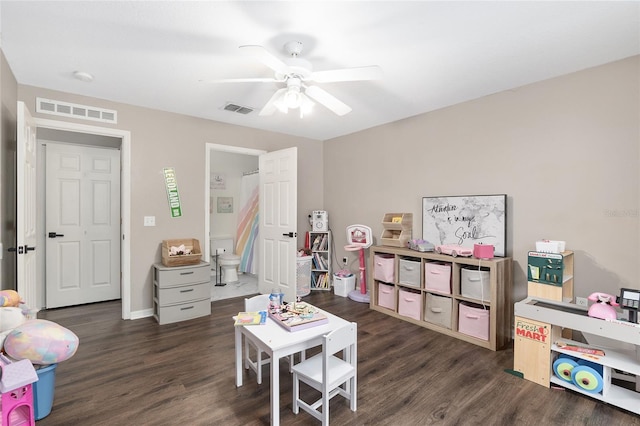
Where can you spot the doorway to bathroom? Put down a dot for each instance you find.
(232, 203)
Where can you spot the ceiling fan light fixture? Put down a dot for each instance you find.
(306, 106)
(292, 98)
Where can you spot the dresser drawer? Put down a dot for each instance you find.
(178, 275)
(183, 293)
(183, 311)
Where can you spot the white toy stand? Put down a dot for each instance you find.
(359, 238)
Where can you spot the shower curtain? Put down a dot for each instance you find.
(247, 232)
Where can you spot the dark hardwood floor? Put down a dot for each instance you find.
(138, 372)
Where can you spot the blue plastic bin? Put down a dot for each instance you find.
(43, 391)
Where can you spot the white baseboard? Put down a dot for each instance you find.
(141, 314)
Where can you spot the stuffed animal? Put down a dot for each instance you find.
(9, 298)
(41, 342)
(10, 318)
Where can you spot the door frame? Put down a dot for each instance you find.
(209, 148)
(125, 196)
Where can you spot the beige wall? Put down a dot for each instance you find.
(161, 139)
(565, 151)
(8, 108)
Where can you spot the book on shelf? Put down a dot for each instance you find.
(579, 348)
(251, 318)
(298, 316)
(323, 243)
(320, 280)
(316, 243)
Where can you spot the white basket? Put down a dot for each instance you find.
(303, 275)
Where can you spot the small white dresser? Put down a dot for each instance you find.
(181, 292)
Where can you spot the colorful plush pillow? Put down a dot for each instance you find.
(42, 342)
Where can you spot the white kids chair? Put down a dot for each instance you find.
(328, 373)
(255, 304)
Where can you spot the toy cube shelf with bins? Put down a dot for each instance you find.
(462, 297)
(320, 242)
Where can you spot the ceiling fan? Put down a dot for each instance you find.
(296, 73)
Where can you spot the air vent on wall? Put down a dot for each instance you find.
(83, 112)
(237, 108)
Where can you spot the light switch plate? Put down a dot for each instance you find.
(149, 221)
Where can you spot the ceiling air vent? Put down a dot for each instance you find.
(237, 108)
(83, 112)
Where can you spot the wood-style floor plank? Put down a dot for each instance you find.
(139, 372)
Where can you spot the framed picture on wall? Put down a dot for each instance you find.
(466, 220)
(218, 181)
(225, 204)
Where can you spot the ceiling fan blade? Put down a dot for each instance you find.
(270, 107)
(244, 80)
(372, 72)
(328, 100)
(266, 57)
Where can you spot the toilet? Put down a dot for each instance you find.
(227, 260)
(229, 265)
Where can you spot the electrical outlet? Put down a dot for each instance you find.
(582, 301)
(345, 260)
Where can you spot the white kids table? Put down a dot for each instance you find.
(279, 343)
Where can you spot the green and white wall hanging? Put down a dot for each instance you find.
(172, 191)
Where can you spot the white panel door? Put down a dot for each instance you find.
(278, 222)
(26, 206)
(83, 224)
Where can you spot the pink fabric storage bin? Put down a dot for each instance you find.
(386, 296)
(383, 269)
(437, 277)
(473, 321)
(410, 304)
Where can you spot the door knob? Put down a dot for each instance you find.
(289, 234)
(27, 248)
(53, 235)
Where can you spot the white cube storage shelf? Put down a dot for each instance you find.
(463, 297)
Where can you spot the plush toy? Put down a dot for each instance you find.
(9, 298)
(10, 318)
(41, 342)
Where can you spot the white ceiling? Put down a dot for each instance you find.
(433, 54)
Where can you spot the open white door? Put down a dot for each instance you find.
(26, 206)
(278, 222)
